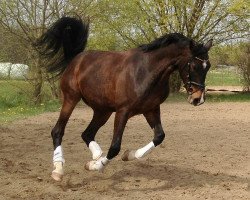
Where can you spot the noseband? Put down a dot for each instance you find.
(189, 83)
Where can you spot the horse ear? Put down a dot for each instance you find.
(209, 44)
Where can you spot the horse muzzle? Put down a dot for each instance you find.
(197, 98)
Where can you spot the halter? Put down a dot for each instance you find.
(190, 82)
(204, 62)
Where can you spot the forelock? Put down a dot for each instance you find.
(199, 49)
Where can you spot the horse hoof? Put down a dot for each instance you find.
(128, 155)
(56, 176)
(92, 166)
(96, 165)
(125, 155)
(87, 166)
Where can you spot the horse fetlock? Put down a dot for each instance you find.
(114, 151)
(140, 153)
(95, 150)
(58, 155)
(97, 165)
(159, 139)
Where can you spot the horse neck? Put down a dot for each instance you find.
(165, 59)
(160, 64)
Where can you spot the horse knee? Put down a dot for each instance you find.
(114, 150)
(158, 139)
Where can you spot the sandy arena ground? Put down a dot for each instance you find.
(206, 155)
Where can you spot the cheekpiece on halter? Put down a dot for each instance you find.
(190, 82)
(204, 62)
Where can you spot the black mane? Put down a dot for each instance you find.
(164, 41)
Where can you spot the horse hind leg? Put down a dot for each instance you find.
(88, 136)
(153, 119)
(121, 118)
(57, 133)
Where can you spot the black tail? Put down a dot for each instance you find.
(62, 42)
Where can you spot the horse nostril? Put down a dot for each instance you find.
(196, 101)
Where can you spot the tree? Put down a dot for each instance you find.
(134, 22)
(12, 50)
(244, 65)
(25, 21)
(118, 25)
(240, 57)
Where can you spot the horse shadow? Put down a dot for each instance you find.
(158, 177)
(165, 177)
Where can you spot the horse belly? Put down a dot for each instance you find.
(103, 91)
(98, 95)
(154, 99)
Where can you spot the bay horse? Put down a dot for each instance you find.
(128, 83)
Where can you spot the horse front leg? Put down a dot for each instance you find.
(57, 135)
(154, 120)
(121, 119)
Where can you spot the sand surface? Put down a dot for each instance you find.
(206, 155)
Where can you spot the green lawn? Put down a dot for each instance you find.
(221, 77)
(16, 101)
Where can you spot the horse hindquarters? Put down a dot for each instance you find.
(121, 119)
(88, 136)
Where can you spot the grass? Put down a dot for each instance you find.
(23, 111)
(220, 77)
(16, 101)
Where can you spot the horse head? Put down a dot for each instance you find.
(194, 72)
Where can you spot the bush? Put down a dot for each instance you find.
(241, 59)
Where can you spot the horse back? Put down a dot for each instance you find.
(110, 80)
(105, 78)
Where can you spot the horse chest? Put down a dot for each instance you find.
(152, 99)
